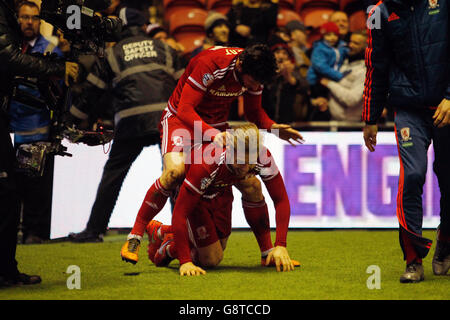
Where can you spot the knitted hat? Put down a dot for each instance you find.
(295, 25)
(276, 43)
(132, 17)
(153, 29)
(329, 27)
(213, 20)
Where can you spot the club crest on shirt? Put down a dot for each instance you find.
(207, 79)
(177, 141)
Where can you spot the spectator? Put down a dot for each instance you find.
(341, 20)
(346, 96)
(279, 96)
(217, 32)
(31, 124)
(299, 41)
(251, 21)
(327, 57)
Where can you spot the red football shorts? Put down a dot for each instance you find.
(211, 220)
(177, 137)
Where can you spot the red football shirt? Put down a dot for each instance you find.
(208, 87)
(210, 178)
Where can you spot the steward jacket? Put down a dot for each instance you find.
(28, 122)
(13, 62)
(408, 56)
(141, 74)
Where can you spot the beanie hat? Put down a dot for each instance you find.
(295, 25)
(213, 20)
(329, 27)
(153, 29)
(276, 43)
(132, 17)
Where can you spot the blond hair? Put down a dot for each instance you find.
(247, 141)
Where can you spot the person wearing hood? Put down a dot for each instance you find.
(141, 74)
(280, 97)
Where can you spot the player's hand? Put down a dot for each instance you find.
(72, 72)
(190, 269)
(370, 136)
(281, 257)
(442, 115)
(286, 132)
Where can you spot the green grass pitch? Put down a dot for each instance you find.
(334, 265)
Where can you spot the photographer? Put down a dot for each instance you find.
(15, 63)
(141, 73)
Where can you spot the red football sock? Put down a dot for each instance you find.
(154, 201)
(257, 216)
(163, 230)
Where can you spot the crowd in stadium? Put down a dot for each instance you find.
(317, 80)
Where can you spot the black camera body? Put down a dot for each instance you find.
(86, 31)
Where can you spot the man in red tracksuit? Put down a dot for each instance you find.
(201, 222)
(197, 112)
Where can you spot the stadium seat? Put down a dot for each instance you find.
(357, 21)
(187, 19)
(287, 4)
(189, 39)
(315, 17)
(286, 15)
(303, 4)
(221, 6)
(171, 6)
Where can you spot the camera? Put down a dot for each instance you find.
(86, 31)
(88, 39)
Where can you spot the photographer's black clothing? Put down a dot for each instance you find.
(12, 63)
(141, 73)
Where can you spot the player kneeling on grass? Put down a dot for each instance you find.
(202, 214)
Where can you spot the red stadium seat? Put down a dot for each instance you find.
(315, 17)
(357, 21)
(188, 19)
(285, 15)
(287, 4)
(302, 4)
(171, 6)
(190, 40)
(222, 6)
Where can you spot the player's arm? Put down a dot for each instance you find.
(192, 94)
(187, 200)
(255, 113)
(377, 79)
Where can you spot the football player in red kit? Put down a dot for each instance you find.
(197, 112)
(201, 221)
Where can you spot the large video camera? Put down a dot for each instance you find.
(86, 31)
(87, 35)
